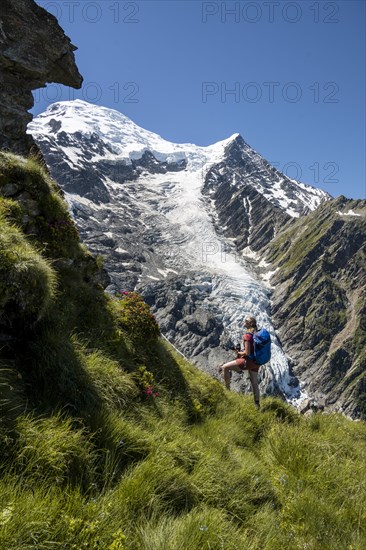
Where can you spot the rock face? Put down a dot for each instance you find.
(33, 51)
(319, 302)
(241, 190)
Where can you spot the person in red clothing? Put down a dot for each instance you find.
(243, 360)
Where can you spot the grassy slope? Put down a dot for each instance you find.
(91, 460)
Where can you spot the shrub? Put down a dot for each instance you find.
(145, 379)
(134, 317)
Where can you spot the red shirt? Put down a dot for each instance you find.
(249, 343)
(248, 337)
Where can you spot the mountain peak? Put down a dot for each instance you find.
(80, 116)
(90, 134)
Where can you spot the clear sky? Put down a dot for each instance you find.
(289, 76)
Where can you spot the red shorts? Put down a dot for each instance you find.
(246, 364)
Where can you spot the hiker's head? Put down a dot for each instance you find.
(250, 322)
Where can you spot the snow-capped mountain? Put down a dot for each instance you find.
(183, 224)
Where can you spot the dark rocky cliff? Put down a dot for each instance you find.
(248, 197)
(34, 50)
(319, 302)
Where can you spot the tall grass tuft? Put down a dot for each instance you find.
(27, 280)
(52, 450)
(203, 528)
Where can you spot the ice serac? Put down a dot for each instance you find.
(33, 51)
(181, 223)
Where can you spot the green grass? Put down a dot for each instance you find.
(287, 482)
(112, 442)
(27, 280)
(237, 477)
(301, 242)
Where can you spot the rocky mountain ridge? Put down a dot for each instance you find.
(319, 302)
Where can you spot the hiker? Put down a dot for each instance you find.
(243, 362)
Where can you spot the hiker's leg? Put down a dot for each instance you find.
(225, 371)
(255, 387)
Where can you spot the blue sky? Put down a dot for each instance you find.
(288, 76)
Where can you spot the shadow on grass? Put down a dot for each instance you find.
(199, 398)
(55, 376)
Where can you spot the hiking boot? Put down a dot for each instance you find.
(257, 405)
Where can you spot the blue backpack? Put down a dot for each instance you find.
(262, 347)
